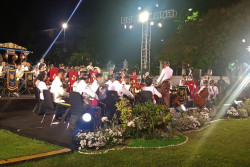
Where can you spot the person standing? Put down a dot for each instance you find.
(221, 86)
(90, 66)
(164, 78)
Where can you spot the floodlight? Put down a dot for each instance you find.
(131, 27)
(162, 40)
(243, 40)
(64, 25)
(125, 26)
(152, 23)
(159, 25)
(157, 5)
(86, 117)
(139, 8)
(143, 17)
(190, 9)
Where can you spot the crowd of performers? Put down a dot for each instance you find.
(91, 83)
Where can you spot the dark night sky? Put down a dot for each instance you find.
(99, 20)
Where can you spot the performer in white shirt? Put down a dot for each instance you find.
(90, 66)
(58, 93)
(165, 77)
(3, 69)
(84, 89)
(41, 62)
(214, 91)
(35, 71)
(41, 84)
(19, 76)
(205, 77)
(151, 88)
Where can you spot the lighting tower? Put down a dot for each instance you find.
(146, 19)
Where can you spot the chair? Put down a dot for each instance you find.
(110, 101)
(49, 104)
(146, 96)
(37, 96)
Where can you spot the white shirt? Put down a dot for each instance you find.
(57, 90)
(82, 87)
(90, 67)
(166, 73)
(74, 86)
(35, 73)
(153, 90)
(42, 86)
(25, 68)
(19, 74)
(1, 71)
(213, 91)
(95, 86)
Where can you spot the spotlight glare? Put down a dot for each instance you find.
(139, 8)
(131, 27)
(160, 25)
(152, 23)
(125, 26)
(190, 9)
(243, 40)
(64, 25)
(86, 117)
(183, 108)
(157, 5)
(248, 48)
(143, 17)
(162, 40)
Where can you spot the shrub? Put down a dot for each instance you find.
(185, 122)
(233, 113)
(243, 113)
(144, 120)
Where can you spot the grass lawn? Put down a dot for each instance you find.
(224, 143)
(157, 143)
(12, 146)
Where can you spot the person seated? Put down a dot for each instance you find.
(35, 71)
(84, 89)
(42, 67)
(151, 88)
(19, 77)
(58, 93)
(41, 86)
(126, 82)
(205, 78)
(3, 69)
(183, 80)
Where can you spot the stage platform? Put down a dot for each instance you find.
(16, 115)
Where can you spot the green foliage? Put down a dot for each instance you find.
(144, 120)
(246, 106)
(193, 17)
(210, 41)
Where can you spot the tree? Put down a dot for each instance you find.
(212, 40)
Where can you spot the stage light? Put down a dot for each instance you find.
(190, 9)
(131, 27)
(183, 108)
(157, 5)
(125, 26)
(143, 17)
(248, 48)
(139, 8)
(159, 25)
(152, 23)
(86, 117)
(64, 25)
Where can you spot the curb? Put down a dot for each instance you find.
(33, 157)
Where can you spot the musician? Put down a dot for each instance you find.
(165, 77)
(151, 88)
(35, 71)
(41, 84)
(134, 76)
(58, 93)
(24, 66)
(93, 75)
(183, 80)
(205, 77)
(90, 66)
(42, 67)
(19, 76)
(126, 82)
(213, 91)
(85, 90)
(3, 69)
(41, 62)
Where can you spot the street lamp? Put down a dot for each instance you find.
(64, 26)
(143, 17)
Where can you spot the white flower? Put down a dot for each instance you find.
(105, 119)
(131, 124)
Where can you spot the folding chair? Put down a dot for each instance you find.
(146, 96)
(110, 101)
(49, 104)
(37, 96)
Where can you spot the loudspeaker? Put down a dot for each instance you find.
(197, 73)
